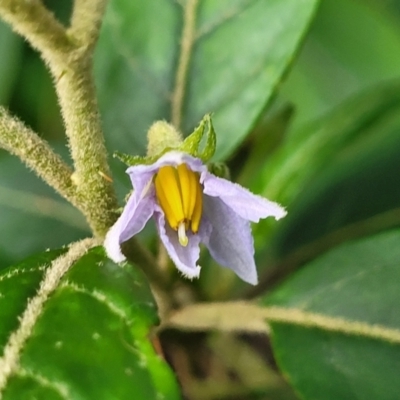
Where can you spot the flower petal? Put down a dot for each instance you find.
(185, 258)
(248, 205)
(173, 158)
(136, 213)
(230, 242)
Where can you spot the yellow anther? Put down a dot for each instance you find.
(198, 209)
(179, 194)
(187, 181)
(168, 195)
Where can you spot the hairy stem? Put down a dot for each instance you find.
(68, 55)
(76, 94)
(86, 20)
(16, 138)
(34, 22)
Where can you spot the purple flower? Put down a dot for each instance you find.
(192, 206)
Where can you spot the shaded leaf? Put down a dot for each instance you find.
(10, 49)
(340, 59)
(33, 216)
(241, 49)
(361, 163)
(91, 338)
(352, 348)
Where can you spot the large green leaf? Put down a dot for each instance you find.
(341, 339)
(85, 336)
(241, 49)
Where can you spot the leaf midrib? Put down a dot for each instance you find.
(243, 316)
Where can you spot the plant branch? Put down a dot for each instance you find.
(38, 25)
(69, 59)
(37, 155)
(86, 21)
(187, 41)
(77, 98)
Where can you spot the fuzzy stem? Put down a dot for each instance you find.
(37, 24)
(76, 94)
(86, 21)
(37, 155)
(69, 58)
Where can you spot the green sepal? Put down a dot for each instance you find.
(192, 143)
(130, 160)
(219, 169)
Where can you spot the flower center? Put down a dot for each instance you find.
(180, 196)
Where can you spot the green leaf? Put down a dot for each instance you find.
(10, 49)
(309, 149)
(31, 214)
(83, 334)
(240, 52)
(341, 339)
(360, 183)
(330, 67)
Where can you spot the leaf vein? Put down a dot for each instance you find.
(241, 316)
(97, 295)
(228, 15)
(43, 381)
(20, 271)
(9, 362)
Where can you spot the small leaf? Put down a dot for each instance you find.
(343, 342)
(192, 143)
(90, 339)
(130, 160)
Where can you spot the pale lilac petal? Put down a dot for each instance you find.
(173, 158)
(184, 258)
(132, 220)
(230, 242)
(112, 243)
(246, 204)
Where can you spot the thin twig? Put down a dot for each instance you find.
(187, 41)
(70, 62)
(34, 22)
(37, 155)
